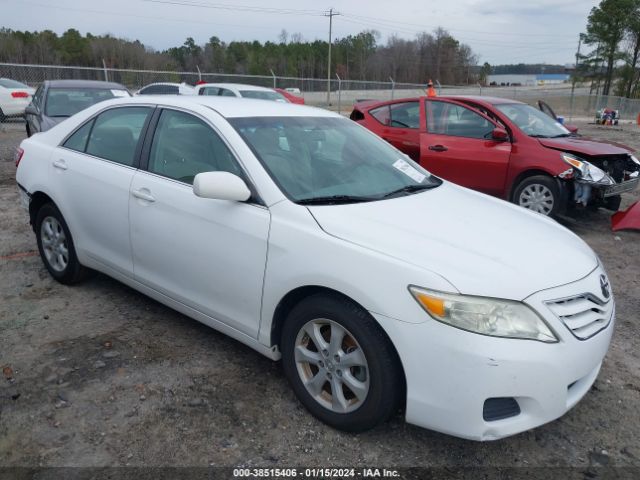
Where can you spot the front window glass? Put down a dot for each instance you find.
(532, 121)
(330, 159)
(8, 83)
(263, 95)
(64, 102)
(445, 118)
(183, 146)
(116, 133)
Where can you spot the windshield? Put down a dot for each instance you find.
(330, 158)
(64, 102)
(263, 95)
(532, 121)
(7, 83)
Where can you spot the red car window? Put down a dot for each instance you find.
(381, 114)
(405, 115)
(457, 121)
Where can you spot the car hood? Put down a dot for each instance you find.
(481, 245)
(585, 146)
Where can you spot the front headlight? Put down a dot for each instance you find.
(586, 171)
(487, 316)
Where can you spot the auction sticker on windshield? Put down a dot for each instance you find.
(119, 93)
(409, 171)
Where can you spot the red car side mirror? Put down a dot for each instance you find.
(500, 135)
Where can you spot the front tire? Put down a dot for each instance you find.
(340, 363)
(540, 194)
(56, 246)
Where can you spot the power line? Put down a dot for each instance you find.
(422, 26)
(239, 8)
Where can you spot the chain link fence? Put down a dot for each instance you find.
(336, 94)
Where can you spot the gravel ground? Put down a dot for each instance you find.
(103, 376)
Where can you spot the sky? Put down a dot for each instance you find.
(498, 31)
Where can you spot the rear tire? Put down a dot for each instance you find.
(28, 129)
(340, 363)
(2, 116)
(56, 246)
(540, 194)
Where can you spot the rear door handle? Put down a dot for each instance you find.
(143, 194)
(60, 164)
(438, 148)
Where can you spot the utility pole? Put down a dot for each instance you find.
(331, 14)
(575, 74)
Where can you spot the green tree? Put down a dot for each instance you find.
(606, 27)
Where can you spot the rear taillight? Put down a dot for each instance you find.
(19, 94)
(19, 155)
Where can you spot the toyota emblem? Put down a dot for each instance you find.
(604, 286)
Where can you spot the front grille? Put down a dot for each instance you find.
(499, 408)
(584, 315)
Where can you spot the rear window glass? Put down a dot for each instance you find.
(116, 133)
(78, 141)
(263, 95)
(160, 90)
(64, 102)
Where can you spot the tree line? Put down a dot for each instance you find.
(613, 40)
(436, 55)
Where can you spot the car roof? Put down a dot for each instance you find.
(230, 107)
(237, 86)
(369, 104)
(173, 84)
(481, 99)
(84, 84)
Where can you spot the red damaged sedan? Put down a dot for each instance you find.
(504, 148)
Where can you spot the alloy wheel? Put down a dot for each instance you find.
(54, 244)
(332, 366)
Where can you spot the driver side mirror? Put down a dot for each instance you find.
(221, 186)
(500, 135)
(31, 110)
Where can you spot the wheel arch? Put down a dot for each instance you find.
(38, 199)
(530, 173)
(295, 296)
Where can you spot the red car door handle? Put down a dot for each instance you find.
(438, 148)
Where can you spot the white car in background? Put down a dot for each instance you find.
(240, 90)
(14, 98)
(308, 238)
(166, 88)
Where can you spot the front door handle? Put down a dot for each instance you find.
(60, 164)
(143, 194)
(438, 148)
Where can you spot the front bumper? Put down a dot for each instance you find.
(619, 188)
(450, 373)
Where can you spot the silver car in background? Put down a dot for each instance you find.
(56, 100)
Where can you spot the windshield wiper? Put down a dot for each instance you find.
(410, 189)
(334, 200)
(537, 135)
(562, 135)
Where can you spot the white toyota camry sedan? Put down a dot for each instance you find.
(306, 237)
